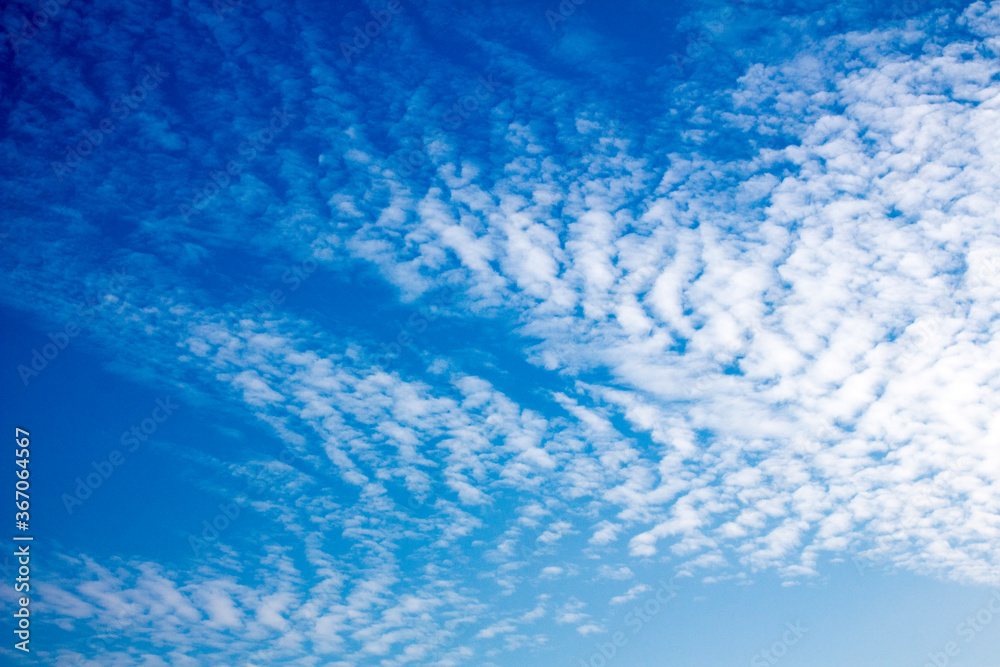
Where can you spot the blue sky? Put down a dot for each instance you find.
(428, 333)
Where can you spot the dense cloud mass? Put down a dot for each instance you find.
(733, 313)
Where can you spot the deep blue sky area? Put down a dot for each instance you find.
(512, 334)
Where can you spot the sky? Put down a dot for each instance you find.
(504, 334)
